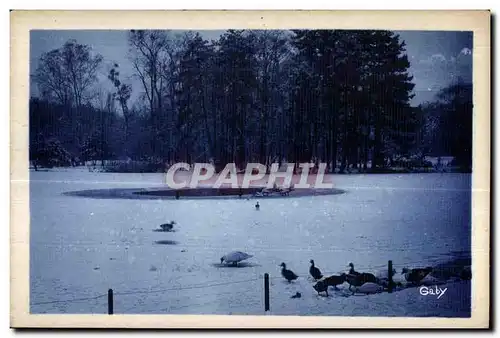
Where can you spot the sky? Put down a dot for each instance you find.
(437, 58)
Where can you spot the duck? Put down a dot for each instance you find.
(234, 257)
(289, 275)
(168, 226)
(335, 280)
(314, 271)
(322, 285)
(297, 295)
(257, 206)
(360, 279)
(351, 270)
(415, 276)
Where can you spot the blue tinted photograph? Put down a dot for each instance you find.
(251, 172)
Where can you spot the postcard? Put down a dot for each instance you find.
(250, 169)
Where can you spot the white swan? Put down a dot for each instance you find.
(234, 257)
(369, 288)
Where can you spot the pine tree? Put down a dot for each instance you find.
(389, 88)
(456, 121)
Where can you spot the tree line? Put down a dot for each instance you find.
(336, 96)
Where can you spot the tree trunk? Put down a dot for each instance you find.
(365, 155)
(345, 142)
(378, 156)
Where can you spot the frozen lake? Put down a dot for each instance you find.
(81, 247)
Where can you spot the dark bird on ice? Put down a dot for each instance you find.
(257, 206)
(289, 275)
(167, 226)
(322, 285)
(314, 271)
(335, 280)
(297, 295)
(360, 279)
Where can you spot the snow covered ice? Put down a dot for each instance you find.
(81, 247)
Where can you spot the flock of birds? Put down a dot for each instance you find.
(358, 281)
(353, 278)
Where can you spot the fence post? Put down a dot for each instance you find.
(266, 292)
(110, 301)
(390, 277)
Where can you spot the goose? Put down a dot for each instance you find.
(168, 226)
(416, 275)
(257, 206)
(360, 279)
(322, 285)
(335, 280)
(314, 271)
(234, 257)
(289, 275)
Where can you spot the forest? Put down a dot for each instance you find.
(335, 96)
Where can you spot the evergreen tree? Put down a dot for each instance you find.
(335, 96)
(456, 121)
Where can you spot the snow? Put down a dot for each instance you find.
(81, 247)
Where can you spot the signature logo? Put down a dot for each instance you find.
(433, 291)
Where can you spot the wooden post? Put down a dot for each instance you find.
(390, 277)
(110, 301)
(266, 292)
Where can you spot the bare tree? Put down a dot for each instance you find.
(154, 57)
(68, 74)
(81, 67)
(52, 79)
(148, 55)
